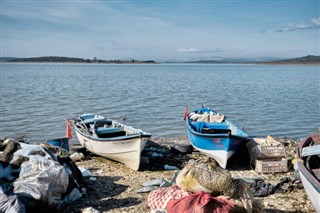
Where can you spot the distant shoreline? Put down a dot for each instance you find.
(290, 64)
(306, 60)
(59, 59)
(262, 64)
(50, 62)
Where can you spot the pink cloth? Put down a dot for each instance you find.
(200, 202)
(159, 198)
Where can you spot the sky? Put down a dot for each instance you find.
(160, 29)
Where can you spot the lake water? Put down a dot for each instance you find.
(35, 99)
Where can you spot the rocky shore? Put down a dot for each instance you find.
(113, 187)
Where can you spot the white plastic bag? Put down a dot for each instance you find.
(10, 203)
(42, 179)
(28, 150)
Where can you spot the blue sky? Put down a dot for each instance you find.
(160, 30)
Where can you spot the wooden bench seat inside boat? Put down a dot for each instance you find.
(215, 131)
(108, 130)
(211, 128)
(112, 134)
(90, 118)
(212, 125)
(215, 128)
(102, 122)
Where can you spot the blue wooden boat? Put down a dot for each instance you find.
(214, 135)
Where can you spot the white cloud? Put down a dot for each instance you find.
(45, 11)
(312, 24)
(194, 50)
(315, 21)
(186, 50)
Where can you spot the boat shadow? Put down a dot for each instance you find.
(240, 160)
(160, 155)
(102, 199)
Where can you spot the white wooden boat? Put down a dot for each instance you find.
(111, 139)
(309, 168)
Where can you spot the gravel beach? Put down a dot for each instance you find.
(114, 186)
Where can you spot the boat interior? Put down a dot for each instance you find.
(312, 157)
(207, 121)
(105, 128)
(210, 128)
(100, 127)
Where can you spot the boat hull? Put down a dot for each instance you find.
(310, 181)
(126, 150)
(310, 188)
(218, 148)
(221, 145)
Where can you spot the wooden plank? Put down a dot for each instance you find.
(311, 150)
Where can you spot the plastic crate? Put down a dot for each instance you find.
(260, 148)
(271, 165)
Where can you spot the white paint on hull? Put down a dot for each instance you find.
(127, 151)
(313, 194)
(220, 156)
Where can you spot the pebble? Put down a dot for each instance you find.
(93, 178)
(76, 156)
(89, 210)
(168, 167)
(84, 190)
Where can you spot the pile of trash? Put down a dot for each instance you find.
(202, 186)
(36, 177)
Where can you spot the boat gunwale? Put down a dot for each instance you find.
(310, 178)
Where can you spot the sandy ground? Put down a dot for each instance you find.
(115, 187)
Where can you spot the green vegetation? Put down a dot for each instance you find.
(58, 59)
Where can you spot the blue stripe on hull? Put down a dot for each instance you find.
(214, 143)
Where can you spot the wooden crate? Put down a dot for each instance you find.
(260, 148)
(271, 165)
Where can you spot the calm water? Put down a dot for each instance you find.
(35, 99)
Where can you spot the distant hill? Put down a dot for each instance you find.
(52, 59)
(59, 59)
(309, 59)
(224, 61)
(6, 58)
